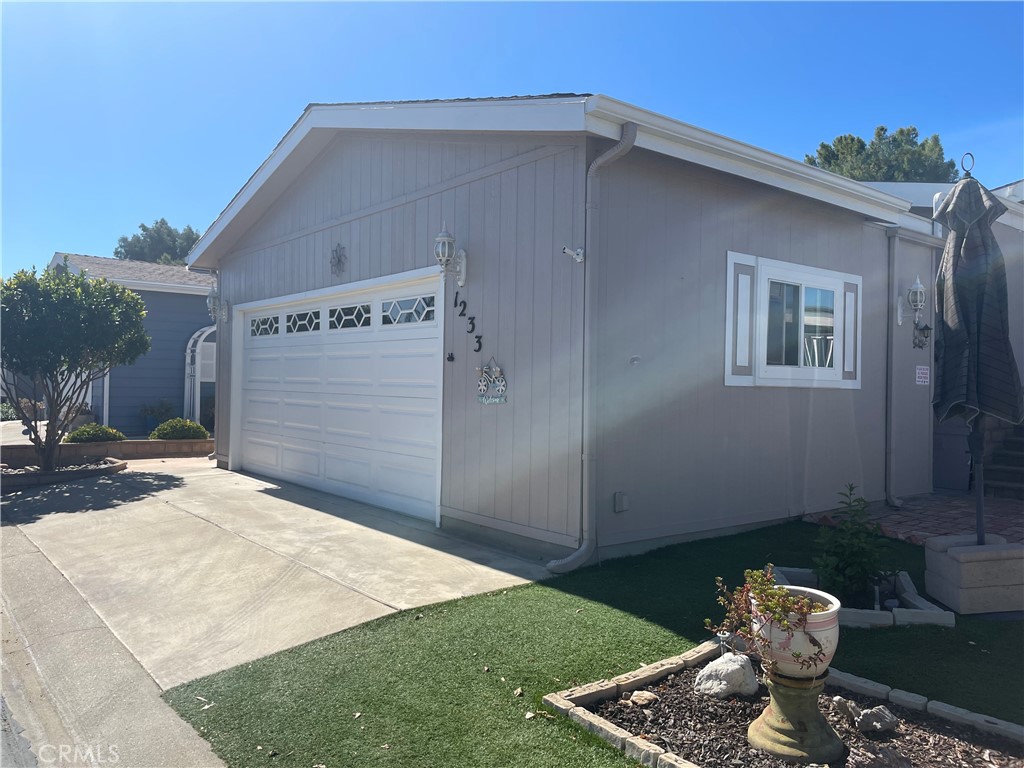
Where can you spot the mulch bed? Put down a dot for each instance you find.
(713, 733)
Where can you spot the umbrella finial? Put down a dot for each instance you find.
(963, 164)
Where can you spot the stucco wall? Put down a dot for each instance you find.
(691, 453)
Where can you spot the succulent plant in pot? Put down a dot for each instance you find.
(794, 630)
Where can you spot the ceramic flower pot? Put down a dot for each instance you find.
(801, 652)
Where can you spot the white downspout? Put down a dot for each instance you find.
(892, 233)
(588, 511)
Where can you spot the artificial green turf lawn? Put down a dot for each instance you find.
(418, 678)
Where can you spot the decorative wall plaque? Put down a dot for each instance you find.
(490, 377)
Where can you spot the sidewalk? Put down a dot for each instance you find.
(939, 514)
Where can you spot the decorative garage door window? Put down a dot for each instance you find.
(263, 326)
(356, 316)
(419, 309)
(303, 322)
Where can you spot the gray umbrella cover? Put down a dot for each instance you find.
(975, 369)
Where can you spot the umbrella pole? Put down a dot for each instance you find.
(976, 442)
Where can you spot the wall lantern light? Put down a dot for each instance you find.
(219, 310)
(452, 261)
(916, 298)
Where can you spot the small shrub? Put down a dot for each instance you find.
(852, 552)
(94, 433)
(179, 429)
(7, 412)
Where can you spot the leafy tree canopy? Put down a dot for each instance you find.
(888, 157)
(159, 244)
(62, 331)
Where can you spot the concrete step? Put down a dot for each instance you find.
(1008, 458)
(1004, 490)
(1004, 473)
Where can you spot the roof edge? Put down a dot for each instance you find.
(598, 115)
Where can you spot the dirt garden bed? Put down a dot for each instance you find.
(683, 729)
(712, 732)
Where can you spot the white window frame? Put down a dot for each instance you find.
(746, 358)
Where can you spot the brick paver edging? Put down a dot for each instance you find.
(575, 703)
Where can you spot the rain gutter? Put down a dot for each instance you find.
(588, 510)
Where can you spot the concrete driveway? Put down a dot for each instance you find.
(187, 570)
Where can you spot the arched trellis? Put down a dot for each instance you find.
(197, 371)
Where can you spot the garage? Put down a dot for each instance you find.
(340, 390)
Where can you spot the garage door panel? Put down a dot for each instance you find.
(407, 430)
(302, 368)
(261, 453)
(301, 417)
(261, 412)
(350, 468)
(262, 368)
(350, 410)
(300, 460)
(351, 371)
(407, 484)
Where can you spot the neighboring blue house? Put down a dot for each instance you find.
(179, 370)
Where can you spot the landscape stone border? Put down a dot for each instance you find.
(19, 456)
(15, 482)
(576, 704)
(916, 609)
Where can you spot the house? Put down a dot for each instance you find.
(659, 333)
(951, 458)
(179, 370)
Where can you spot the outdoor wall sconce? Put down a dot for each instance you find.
(452, 261)
(218, 309)
(338, 259)
(916, 298)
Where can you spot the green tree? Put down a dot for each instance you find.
(888, 157)
(61, 332)
(160, 244)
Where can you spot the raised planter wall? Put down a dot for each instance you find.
(18, 456)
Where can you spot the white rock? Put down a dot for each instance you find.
(876, 720)
(725, 676)
(643, 698)
(847, 708)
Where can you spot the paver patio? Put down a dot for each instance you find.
(939, 514)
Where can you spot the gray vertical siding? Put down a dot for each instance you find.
(170, 321)
(690, 453)
(912, 402)
(512, 203)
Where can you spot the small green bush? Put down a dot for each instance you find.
(7, 412)
(854, 553)
(179, 429)
(94, 433)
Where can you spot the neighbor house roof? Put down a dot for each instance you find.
(138, 275)
(593, 115)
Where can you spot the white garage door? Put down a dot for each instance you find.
(343, 394)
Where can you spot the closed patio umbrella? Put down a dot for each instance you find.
(975, 371)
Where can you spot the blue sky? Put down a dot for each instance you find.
(116, 114)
